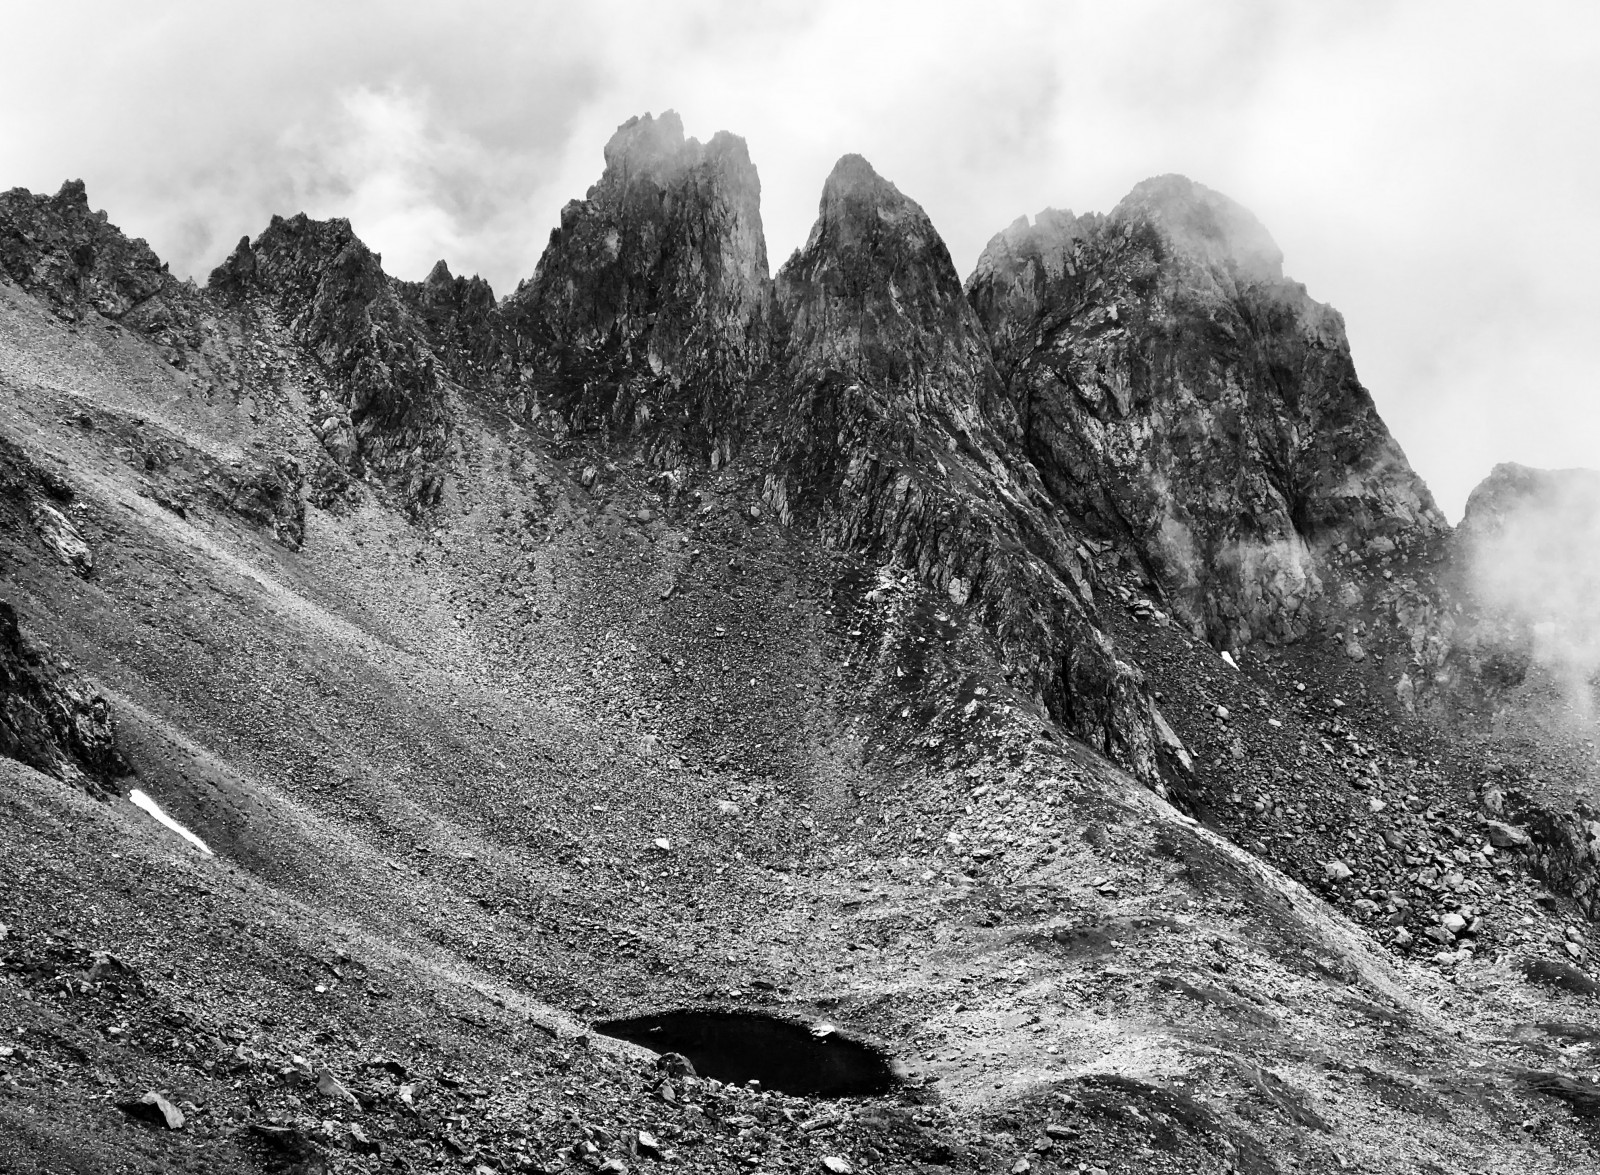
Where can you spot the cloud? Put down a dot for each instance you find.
(1427, 167)
(1534, 563)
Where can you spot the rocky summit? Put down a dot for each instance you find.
(680, 716)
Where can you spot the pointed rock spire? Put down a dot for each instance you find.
(874, 289)
(647, 313)
(895, 432)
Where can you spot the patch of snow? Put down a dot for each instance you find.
(1228, 657)
(140, 800)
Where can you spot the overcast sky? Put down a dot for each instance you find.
(1431, 169)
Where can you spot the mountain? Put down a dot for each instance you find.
(845, 719)
(1183, 398)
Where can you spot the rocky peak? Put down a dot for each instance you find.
(1203, 225)
(461, 321)
(647, 313)
(1180, 397)
(1570, 497)
(77, 262)
(894, 431)
(386, 406)
(874, 289)
(1019, 266)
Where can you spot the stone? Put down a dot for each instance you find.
(58, 533)
(1337, 871)
(675, 1065)
(330, 1086)
(1508, 836)
(154, 1108)
(837, 1165)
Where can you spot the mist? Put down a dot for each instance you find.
(1428, 168)
(1534, 543)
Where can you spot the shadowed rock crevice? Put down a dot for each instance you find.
(737, 1047)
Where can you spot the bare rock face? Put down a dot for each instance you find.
(388, 409)
(77, 262)
(1179, 395)
(647, 315)
(50, 719)
(893, 430)
(73, 258)
(460, 319)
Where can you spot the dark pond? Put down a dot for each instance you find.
(782, 1055)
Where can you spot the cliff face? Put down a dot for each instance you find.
(381, 403)
(50, 718)
(893, 428)
(77, 262)
(646, 316)
(1180, 395)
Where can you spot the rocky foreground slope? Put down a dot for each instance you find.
(843, 647)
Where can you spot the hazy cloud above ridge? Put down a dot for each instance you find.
(1427, 168)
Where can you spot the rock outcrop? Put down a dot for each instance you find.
(384, 404)
(1178, 394)
(52, 720)
(77, 262)
(647, 315)
(49, 718)
(460, 319)
(894, 431)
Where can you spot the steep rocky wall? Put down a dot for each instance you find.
(77, 262)
(50, 719)
(1180, 395)
(386, 406)
(647, 313)
(893, 430)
